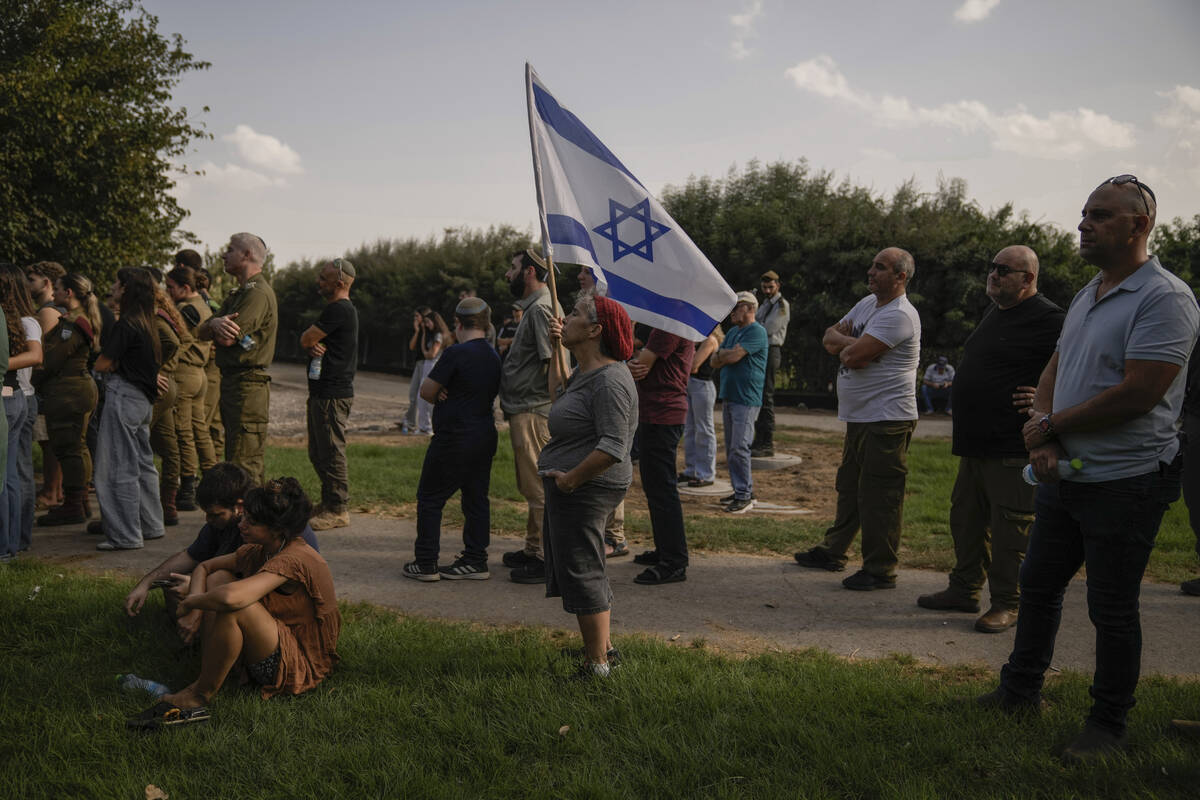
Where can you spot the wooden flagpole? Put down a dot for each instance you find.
(559, 362)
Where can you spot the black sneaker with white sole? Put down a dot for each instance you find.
(736, 506)
(729, 498)
(421, 572)
(463, 570)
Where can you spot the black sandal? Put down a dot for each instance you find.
(164, 714)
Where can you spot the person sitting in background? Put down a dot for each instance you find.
(220, 494)
(281, 620)
(939, 377)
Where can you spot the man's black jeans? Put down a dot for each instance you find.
(1109, 526)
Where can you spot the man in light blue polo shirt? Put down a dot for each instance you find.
(1110, 397)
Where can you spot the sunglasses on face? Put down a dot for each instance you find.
(1003, 269)
(1121, 180)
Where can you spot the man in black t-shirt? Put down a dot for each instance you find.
(332, 341)
(994, 386)
(463, 387)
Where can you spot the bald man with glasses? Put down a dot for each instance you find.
(991, 505)
(1110, 397)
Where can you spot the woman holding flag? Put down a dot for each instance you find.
(585, 467)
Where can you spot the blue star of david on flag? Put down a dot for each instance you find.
(640, 212)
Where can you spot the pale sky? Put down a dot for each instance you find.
(337, 125)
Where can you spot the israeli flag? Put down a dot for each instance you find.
(596, 213)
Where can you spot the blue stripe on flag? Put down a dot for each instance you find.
(571, 128)
(570, 231)
(628, 292)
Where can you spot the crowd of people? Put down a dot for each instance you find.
(1065, 424)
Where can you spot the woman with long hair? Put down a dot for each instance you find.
(70, 393)
(126, 481)
(586, 469)
(173, 337)
(20, 407)
(196, 453)
(270, 604)
(434, 338)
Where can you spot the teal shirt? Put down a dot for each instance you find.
(742, 382)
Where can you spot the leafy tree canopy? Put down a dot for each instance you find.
(89, 134)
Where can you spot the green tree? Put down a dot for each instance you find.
(90, 134)
(820, 236)
(394, 277)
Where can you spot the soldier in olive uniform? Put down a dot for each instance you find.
(70, 393)
(244, 335)
(173, 337)
(196, 453)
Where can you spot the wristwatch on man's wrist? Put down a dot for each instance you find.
(1046, 426)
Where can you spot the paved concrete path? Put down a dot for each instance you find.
(736, 602)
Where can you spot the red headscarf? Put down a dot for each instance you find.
(616, 328)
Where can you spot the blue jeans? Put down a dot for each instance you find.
(126, 480)
(699, 433)
(25, 468)
(12, 497)
(739, 433)
(932, 395)
(1109, 526)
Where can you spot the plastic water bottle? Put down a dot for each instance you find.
(131, 681)
(314, 369)
(1065, 470)
(246, 342)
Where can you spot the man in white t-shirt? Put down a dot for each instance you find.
(878, 344)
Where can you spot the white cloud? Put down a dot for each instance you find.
(234, 176)
(975, 10)
(743, 26)
(1182, 115)
(264, 151)
(1061, 134)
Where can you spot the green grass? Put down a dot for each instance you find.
(384, 477)
(425, 709)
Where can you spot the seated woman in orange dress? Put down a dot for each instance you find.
(281, 620)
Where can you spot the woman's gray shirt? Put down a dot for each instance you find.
(598, 411)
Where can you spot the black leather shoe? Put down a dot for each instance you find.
(1000, 700)
(533, 572)
(516, 558)
(948, 600)
(647, 558)
(1092, 744)
(817, 558)
(863, 581)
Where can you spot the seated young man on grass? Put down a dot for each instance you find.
(220, 495)
(281, 621)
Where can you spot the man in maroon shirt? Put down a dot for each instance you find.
(661, 370)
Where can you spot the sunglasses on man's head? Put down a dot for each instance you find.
(1121, 180)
